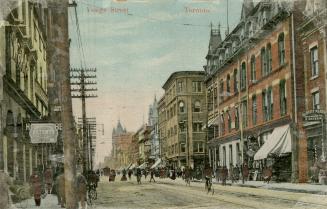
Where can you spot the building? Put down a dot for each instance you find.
(23, 93)
(182, 119)
(313, 37)
(153, 122)
(121, 141)
(144, 142)
(255, 91)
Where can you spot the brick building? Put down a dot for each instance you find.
(182, 118)
(313, 37)
(255, 91)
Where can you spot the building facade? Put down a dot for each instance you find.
(182, 119)
(313, 39)
(23, 96)
(255, 92)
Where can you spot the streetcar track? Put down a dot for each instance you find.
(240, 194)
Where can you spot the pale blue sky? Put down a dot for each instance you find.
(135, 54)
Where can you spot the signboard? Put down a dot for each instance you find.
(314, 115)
(43, 133)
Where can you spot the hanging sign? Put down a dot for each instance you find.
(43, 133)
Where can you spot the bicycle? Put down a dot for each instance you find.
(208, 185)
(91, 193)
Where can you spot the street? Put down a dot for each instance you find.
(166, 193)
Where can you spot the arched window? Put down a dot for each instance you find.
(253, 72)
(197, 106)
(281, 49)
(181, 107)
(269, 58)
(263, 62)
(235, 81)
(228, 85)
(243, 76)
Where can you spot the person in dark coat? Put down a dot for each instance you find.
(245, 172)
(224, 175)
(81, 187)
(48, 179)
(60, 184)
(130, 172)
(152, 175)
(123, 178)
(138, 175)
(36, 184)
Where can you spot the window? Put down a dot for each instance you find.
(210, 100)
(197, 86)
(253, 73)
(282, 97)
(197, 106)
(243, 76)
(281, 49)
(180, 86)
(222, 124)
(231, 154)
(228, 85)
(263, 62)
(229, 119)
(198, 147)
(267, 103)
(315, 100)
(254, 110)
(314, 61)
(221, 90)
(237, 120)
(215, 95)
(235, 81)
(197, 126)
(175, 129)
(269, 59)
(181, 107)
(244, 113)
(183, 148)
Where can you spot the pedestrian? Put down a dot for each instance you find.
(245, 172)
(5, 182)
(36, 185)
(48, 179)
(224, 175)
(152, 175)
(217, 173)
(81, 188)
(145, 172)
(123, 178)
(130, 172)
(60, 183)
(138, 175)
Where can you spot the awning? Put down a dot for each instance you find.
(129, 166)
(142, 166)
(213, 121)
(278, 143)
(132, 167)
(156, 163)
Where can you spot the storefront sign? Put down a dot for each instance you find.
(43, 133)
(314, 115)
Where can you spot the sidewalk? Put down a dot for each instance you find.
(288, 187)
(49, 202)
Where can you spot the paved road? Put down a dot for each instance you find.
(166, 193)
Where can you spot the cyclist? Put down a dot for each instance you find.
(208, 178)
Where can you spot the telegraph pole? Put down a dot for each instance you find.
(59, 49)
(82, 79)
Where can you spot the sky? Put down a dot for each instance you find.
(135, 45)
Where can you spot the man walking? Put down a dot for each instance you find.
(48, 179)
(35, 182)
(81, 189)
(152, 175)
(60, 183)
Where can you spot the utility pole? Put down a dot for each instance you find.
(59, 46)
(81, 80)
